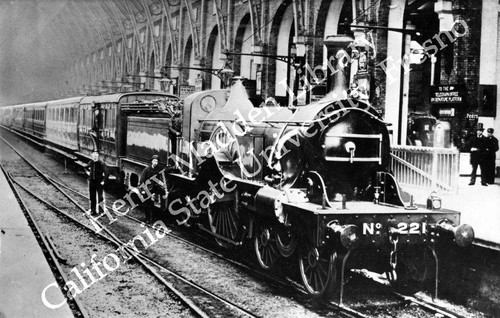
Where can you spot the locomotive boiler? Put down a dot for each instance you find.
(312, 181)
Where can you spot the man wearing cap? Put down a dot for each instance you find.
(489, 156)
(97, 174)
(477, 147)
(152, 178)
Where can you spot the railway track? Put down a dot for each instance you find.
(429, 305)
(426, 305)
(224, 307)
(49, 250)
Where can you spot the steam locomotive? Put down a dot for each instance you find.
(312, 181)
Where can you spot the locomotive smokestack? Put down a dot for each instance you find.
(238, 99)
(237, 106)
(339, 79)
(338, 56)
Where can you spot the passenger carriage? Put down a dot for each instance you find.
(61, 125)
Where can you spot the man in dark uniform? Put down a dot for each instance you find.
(156, 186)
(489, 156)
(97, 173)
(477, 147)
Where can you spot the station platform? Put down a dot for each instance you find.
(24, 271)
(479, 206)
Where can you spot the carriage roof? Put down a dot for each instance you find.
(115, 98)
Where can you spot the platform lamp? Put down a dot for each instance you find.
(226, 74)
(165, 84)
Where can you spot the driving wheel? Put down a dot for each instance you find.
(265, 248)
(224, 220)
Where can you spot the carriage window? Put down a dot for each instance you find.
(89, 118)
(103, 122)
(112, 117)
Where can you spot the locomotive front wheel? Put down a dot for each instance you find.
(265, 248)
(224, 220)
(318, 271)
(286, 242)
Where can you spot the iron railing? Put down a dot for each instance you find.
(426, 167)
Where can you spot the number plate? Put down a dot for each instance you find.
(413, 228)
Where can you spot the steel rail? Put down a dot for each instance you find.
(428, 305)
(419, 301)
(288, 283)
(140, 257)
(181, 296)
(53, 255)
(204, 249)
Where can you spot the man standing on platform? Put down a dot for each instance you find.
(156, 186)
(97, 173)
(477, 147)
(489, 156)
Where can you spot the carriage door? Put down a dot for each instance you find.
(96, 132)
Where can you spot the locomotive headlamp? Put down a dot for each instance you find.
(350, 147)
(226, 74)
(433, 201)
(165, 84)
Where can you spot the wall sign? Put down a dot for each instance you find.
(448, 94)
(185, 91)
(447, 112)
